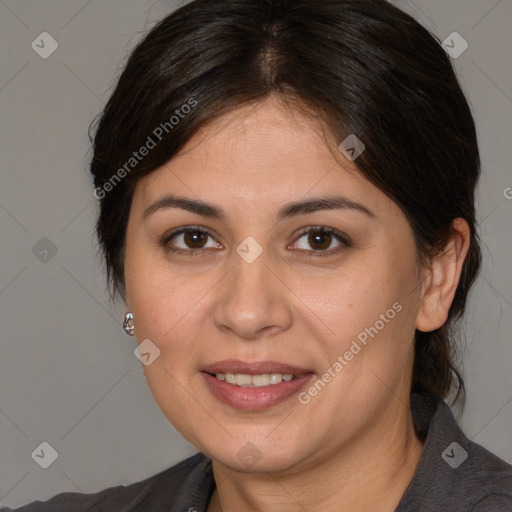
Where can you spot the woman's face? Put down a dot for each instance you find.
(328, 292)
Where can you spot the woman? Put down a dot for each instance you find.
(287, 209)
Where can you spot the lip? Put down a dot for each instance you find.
(254, 368)
(254, 399)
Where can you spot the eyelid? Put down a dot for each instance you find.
(343, 239)
(184, 229)
(196, 252)
(325, 229)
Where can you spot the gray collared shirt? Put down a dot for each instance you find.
(454, 475)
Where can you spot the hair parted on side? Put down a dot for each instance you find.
(363, 66)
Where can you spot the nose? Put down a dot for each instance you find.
(252, 301)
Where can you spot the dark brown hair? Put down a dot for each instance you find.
(363, 66)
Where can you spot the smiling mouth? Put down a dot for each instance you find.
(254, 374)
(254, 386)
(245, 380)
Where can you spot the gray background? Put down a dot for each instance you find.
(67, 372)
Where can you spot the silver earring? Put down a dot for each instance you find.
(128, 329)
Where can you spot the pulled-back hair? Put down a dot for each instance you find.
(363, 66)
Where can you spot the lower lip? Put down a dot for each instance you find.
(254, 399)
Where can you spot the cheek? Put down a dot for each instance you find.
(371, 311)
(355, 298)
(167, 302)
(151, 293)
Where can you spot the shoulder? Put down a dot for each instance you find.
(455, 474)
(174, 484)
(488, 480)
(494, 503)
(470, 478)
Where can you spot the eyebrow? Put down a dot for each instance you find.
(288, 211)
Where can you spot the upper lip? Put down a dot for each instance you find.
(253, 368)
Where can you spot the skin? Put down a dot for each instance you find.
(354, 443)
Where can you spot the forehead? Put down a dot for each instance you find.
(259, 138)
(258, 155)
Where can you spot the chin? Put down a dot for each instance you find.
(256, 458)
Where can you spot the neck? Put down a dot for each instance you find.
(371, 473)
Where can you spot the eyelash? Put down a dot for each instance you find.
(343, 239)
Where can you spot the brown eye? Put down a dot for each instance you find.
(190, 240)
(319, 240)
(195, 239)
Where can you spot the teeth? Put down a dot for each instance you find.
(242, 380)
(261, 380)
(254, 381)
(276, 378)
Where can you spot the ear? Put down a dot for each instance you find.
(442, 279)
